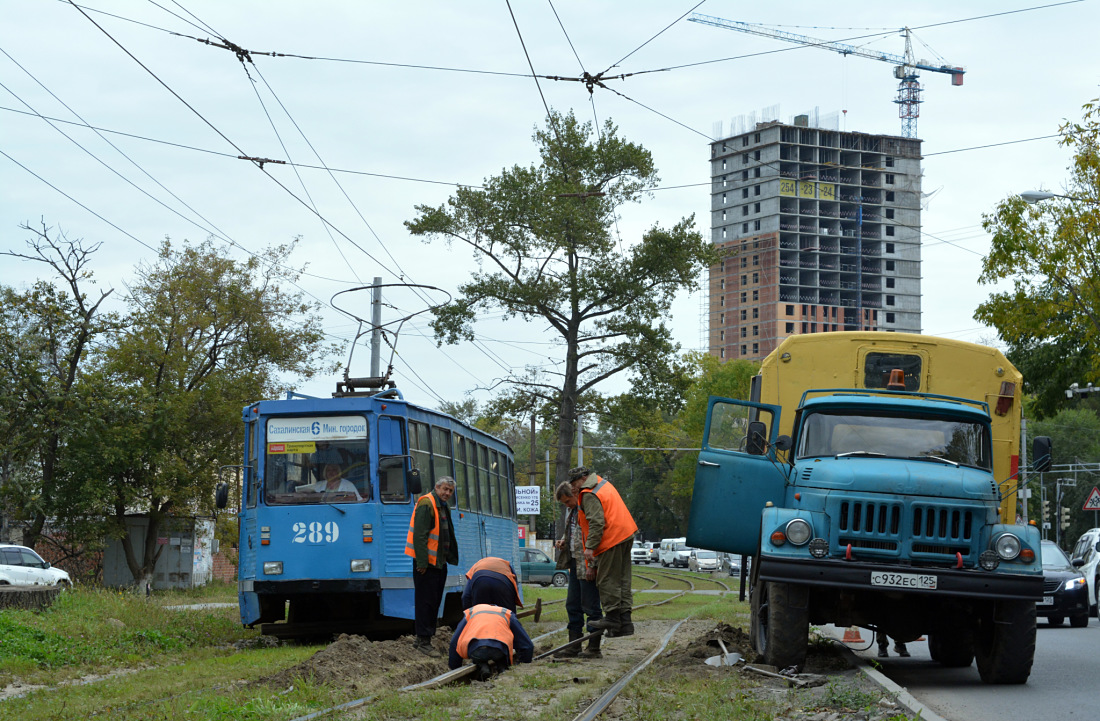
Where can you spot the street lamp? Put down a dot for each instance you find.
(1034, 196)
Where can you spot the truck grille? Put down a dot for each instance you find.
(929, 531)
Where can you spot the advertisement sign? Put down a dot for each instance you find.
(527, 500)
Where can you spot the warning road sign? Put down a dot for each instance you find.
(1093, 502)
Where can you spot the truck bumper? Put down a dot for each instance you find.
(855, 576)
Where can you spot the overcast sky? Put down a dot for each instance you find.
(180, 112)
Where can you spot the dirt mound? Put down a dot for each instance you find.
(695, 652)
(365, 666)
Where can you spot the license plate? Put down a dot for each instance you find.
(904, 580)
(1047, 601)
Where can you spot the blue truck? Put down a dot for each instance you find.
(880, 509)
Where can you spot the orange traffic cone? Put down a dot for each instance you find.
(851, 635)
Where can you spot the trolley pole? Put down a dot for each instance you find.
(376, 330)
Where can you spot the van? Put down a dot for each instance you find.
(1086, 549)
(667, 554)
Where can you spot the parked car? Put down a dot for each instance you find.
(1087, 549)
(702, 561)
(1065, 591)
(536, 567)
(639, 553)
(20, 566)
(654, 551)
(668, 550)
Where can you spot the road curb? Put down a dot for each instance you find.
(867, 668)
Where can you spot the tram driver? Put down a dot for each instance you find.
(333, 481)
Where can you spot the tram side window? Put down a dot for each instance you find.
(420, 450)
(482, 460)
(462, 492)
(441, 456)
(251, 472)
(499, 502)
(471, 474)
(510, 480)
(391, 461)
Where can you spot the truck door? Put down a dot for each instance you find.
(735, 476)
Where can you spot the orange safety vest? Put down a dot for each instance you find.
(433, 537)
(497, 565)
(486, 622)
(619, 524)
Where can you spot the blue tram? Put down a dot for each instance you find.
(328, 490)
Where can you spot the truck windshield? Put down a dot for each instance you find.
(875, 435)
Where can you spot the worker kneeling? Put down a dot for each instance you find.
(492, 638)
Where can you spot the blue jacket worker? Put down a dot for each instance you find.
(492, 638)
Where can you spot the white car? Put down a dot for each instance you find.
(639, 553)
(702, 560)
(1086, 549)
(20, 566)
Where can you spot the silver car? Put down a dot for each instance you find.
(20, 566)
(703, 561)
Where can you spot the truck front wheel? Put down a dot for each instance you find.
(953, 647)
(780, 623)
(1005, 642)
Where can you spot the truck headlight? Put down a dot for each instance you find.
(1007, 546)
(360, 565)
(799, 532)
(273, 568)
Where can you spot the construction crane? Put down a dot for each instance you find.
(909, 91)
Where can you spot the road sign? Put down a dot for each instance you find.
(527, 500)
(1093, 503)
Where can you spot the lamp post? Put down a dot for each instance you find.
(1034, 196)
(1076, 390)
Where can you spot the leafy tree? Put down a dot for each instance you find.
(206, 335)
(49, 332)
(1049, 252)
(1049, 368)
(544, 238)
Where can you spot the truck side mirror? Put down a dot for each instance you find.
(1041, 448)
(221, 494)
(783, 443)
(757, 440)
(414, 482)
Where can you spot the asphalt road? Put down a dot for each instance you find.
(1062, 683)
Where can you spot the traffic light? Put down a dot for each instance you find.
(1045, 515)
(1063, 518)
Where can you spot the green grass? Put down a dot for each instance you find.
(87, 631)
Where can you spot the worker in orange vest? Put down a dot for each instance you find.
(432, 544)
(492, 637)
(608, 530)
(491, 580)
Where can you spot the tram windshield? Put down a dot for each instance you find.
(334, 470)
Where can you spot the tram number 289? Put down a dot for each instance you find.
(316, 532)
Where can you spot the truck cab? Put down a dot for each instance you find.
(879, 510)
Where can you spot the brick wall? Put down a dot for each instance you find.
(225, 565)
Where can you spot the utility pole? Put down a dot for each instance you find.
(534, 468)
(580, 440)
(376, 329)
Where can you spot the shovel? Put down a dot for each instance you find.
(726, 659)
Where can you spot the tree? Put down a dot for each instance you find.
(49, 333)
(206, 335)
(1075, 434)
(1049, 252)
(543, 237)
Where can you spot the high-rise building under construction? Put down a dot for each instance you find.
(822, 229)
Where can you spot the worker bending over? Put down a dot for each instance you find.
(491, 580)
(492, 638)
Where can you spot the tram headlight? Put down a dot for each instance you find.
(360, 565)
(273, 568)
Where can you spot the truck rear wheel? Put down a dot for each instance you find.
(780, 623)
(1005, 643)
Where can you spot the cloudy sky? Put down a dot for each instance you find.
(402, 101)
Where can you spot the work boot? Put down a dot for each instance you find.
(593, 650)
(424, 646)
(899, 649)
(882, 650)
(626, 626)
(609, 624)
(572, 651)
